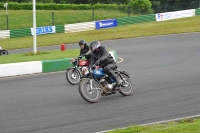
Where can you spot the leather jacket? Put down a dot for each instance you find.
(103, 55)
(85, 50)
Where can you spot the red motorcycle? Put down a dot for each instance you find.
(75, 73)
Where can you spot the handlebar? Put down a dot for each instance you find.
(94, 67)
(81, 56)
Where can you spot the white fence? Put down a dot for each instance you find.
(77, 27)
(4, 34)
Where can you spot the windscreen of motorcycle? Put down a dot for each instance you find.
(98, 73)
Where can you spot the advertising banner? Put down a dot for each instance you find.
(106, 23)
(175, 15)
(44, 30)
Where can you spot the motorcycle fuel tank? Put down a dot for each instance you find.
(98, 73)
(83, 63)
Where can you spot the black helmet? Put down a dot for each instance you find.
(94, 45)
(82, 42)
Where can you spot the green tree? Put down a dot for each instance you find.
(140, 6)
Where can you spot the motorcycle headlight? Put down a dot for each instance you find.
(72, 60)
(85, 71)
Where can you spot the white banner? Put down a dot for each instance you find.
(175, 15)
(44, 30)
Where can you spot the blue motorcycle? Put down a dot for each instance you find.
(100, 84)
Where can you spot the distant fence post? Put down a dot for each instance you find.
(6, 6)
(129, 11)
(199, 5)
(165, 7)
(7, 21)
(92, 3)
(52, 18)
(92, 14)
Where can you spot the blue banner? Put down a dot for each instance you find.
(106, 23)
(44, 30)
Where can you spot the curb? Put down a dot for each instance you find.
(45, 66)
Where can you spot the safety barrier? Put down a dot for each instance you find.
(20, 33)
(55, 65)
(136, 19)
(197, 11)
(21, 68)
(77, 27)
(4, 34)
(60, 29)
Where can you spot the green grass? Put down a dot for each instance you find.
(184, 126)
(55, 54)
(24, 18)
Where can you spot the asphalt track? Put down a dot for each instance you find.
(165, 71)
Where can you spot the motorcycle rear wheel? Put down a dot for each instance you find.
(90, 95)
(73, 76)
(127, 90)
(3, 52)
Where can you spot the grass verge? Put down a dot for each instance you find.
(48, 55)
(184, 126)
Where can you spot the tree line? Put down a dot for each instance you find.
(99, 1)
(145, 6)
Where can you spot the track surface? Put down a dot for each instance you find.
(165, 71)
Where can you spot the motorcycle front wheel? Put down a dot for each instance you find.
(127, 86)
(73, 76)
(3, 52)
(90, 93)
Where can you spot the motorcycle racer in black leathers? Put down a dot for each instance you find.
(84, 49)
(102, 58)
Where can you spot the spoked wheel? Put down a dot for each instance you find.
(73, 76)
(127, 86)
(3, 52)
(90, 93)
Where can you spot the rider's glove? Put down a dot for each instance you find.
(83, 54)
(97, 62)
(93, 67)
(80, 57)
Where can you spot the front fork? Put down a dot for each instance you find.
(91, 84)
(91, 80)
(91, 77)
(124, 82)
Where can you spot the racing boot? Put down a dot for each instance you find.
(114, 77)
